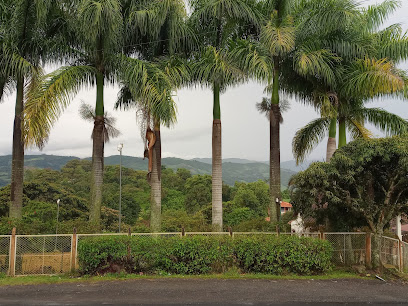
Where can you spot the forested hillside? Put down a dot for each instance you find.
(238, 170)
(186, 201)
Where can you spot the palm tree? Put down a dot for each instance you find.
(217, 22)
(358, 80)
(290, 41)
(28, 35)
(95, 56)
(151, 116)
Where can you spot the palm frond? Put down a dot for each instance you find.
(308, 137)
(357, 129)
(109, 130)
(387, 122)
(374, 15)
(369, 78)
(45, 104)
(216, 66)
(279, 40)
(316, 63)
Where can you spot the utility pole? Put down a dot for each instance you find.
(120, 147)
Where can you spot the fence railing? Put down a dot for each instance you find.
(349, 248)
(56, 254)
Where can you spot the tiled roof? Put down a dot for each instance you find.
(286, 204)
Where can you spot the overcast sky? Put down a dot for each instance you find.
(245, 132)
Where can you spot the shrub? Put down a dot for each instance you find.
(97, 254)
(285, 254)
(204, 254)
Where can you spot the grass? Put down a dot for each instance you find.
(57, 279)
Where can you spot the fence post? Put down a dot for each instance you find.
(230, 231)
(400, 254)
(73, 250)
(368, 250)
(183, 232)
(12, 253)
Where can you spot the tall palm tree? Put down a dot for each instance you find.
(28, 32)
(217, 22)
(290, 39)
(361, 75)
(169, 37)
(151, 116)
(95, 54)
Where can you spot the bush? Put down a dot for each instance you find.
(204, 254)
(285, 254)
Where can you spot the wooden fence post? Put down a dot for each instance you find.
(183, 232)
(368, 250)
(73, 250)
(230, 231)
(12, 254)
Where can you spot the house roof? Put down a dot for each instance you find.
(286, 204)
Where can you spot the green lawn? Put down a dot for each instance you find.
(35, 280)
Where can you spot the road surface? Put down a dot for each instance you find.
(209, 291)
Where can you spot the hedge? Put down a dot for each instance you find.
(204, 254)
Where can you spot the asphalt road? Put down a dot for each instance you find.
(209, 291)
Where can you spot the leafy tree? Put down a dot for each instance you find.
(198, 192)
(364, 180)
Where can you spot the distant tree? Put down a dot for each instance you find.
(198, 192)
(365, 180)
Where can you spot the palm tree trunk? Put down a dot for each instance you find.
(216, 163)
(274, 150)
(342, 132)
(97, 154)
(17, 166)
(331, 142)
(155, 193)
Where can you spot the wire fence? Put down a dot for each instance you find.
(43, 254)
(405, 257)
(349, 248)
(4, 253)
(56, 254)
(390, 253)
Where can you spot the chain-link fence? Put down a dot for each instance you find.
(4, 253)
(175, 234)
(349, 248)
(43, 254)
(390, 251)
(405, 257)
(53, 254)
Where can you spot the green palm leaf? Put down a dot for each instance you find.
(45, 104)
(308, 137)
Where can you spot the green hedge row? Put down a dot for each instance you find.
(204, 254)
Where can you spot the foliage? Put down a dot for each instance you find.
(186, 201)
(204, 254)
(277, 255)
(365, 181)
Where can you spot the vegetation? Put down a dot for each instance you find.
(331, 54)
(201, 255)
(245, 171)
(365, 184)
(186, 201)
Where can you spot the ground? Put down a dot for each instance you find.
(208, 291)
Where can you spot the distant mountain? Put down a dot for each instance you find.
(234, 169)
(228, 160)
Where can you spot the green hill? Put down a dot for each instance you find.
(232, 171)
